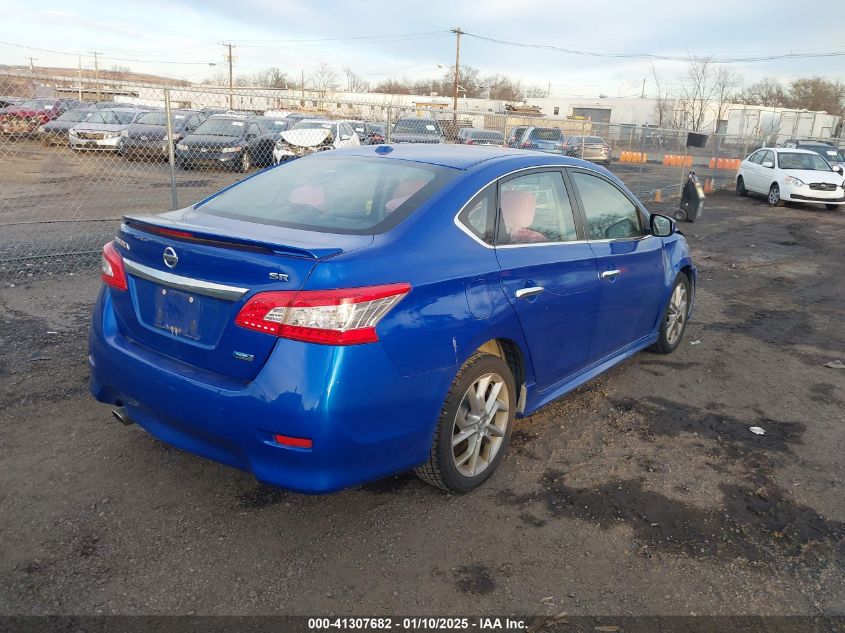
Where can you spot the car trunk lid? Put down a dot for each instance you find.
(189, 273)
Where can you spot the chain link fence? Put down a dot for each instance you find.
(72, 163)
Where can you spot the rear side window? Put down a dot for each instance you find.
(535, 208)
(479, 215)
(547, 134)
(610, 213)
(332, 195)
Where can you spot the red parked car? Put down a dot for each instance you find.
(24, 119)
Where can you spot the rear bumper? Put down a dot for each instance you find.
(366, 421)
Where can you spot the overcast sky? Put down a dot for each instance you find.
(414, 43)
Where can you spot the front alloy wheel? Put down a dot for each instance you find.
(774, 196)
(675, 317)
(474, 427)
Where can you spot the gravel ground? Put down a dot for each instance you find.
(644, 492)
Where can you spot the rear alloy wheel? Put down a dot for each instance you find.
(740, 187)
(774, 196)
(474, 427)
(245, 163)
(675, 317)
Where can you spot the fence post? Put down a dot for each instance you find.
(171, 158)
(387, 131)
(583, 139)
(641, 161)
(505, 130)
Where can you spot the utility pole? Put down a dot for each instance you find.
(31, 63)
(458, 32)
(230, 61)
(642, 94)
(549, 90)
(96, 71)
(80, 77)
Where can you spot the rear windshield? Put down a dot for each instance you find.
(159, 118)
(813, 162)
(546, 134)
(111, 117)
(486, 135)
(417, 126)
(221, 127)
(828, 152)
(332, 194)
(75, 116)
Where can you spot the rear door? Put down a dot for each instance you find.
(629, 262)
(548, 272)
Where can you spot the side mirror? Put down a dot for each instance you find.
(838, 169)
(662, 226)
(768, 164)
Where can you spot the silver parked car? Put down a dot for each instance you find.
(592, 148)
(102, 130)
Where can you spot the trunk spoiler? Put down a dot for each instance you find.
(219, 237)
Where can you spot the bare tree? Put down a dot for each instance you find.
(504, 88)
(354, 82)
(726, 83)
(698, 90)
(535, 92)
(818, 94)
(767, 92)
(323, 79)
(663, 107)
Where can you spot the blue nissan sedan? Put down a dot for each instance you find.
(361, 312)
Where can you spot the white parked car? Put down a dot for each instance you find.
(102, 130)
(314, 135)
(791, 175)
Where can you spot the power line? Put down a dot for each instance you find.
(357, 38)
(651, 56)
(114, 59)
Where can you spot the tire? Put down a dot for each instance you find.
(831, 207)
(774, 196)
(444, 469)
(740, 187)
(668, 338)
(680, 215)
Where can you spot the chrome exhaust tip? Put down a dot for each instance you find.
(122, 416)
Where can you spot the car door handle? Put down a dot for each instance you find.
(610, 274)
(525, 293)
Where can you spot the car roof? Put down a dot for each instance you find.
(455, 156)
(789, 150)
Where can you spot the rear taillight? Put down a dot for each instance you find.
(331, 317)
(470, 142)
(528, 145)
(111, 265)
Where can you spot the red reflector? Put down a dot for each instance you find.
(296, 442)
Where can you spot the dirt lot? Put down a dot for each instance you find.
(642, 493)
